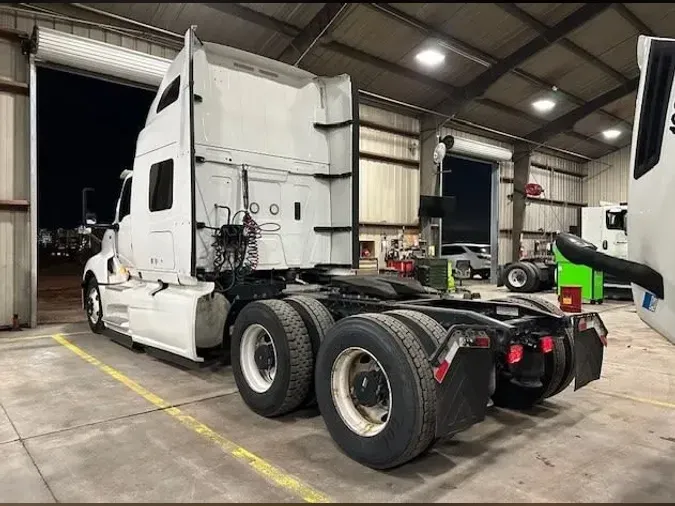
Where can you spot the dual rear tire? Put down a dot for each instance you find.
(368, 373)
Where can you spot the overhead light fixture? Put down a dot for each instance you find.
(430, 57)
(544, 105)
(611, 133)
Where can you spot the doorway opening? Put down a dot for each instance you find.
(468, 234)
(86, 136)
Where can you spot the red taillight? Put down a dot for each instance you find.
(515, 354)
(482, 342)
(546, 344)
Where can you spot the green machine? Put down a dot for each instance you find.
(590, 280)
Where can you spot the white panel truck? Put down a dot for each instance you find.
(236, 236)
(605, 227)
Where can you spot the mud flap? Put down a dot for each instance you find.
(463, 393)
(589, 350)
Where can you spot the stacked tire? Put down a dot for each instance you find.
(369, 374)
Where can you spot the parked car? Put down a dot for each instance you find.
(478, 256)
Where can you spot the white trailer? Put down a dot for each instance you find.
(245, 180)
(650, 266)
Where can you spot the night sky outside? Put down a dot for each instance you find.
(87, 131)
(470, 182)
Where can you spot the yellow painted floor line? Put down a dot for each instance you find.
(10, 340)
(259, 465)
(643, 400)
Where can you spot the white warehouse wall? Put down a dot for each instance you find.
(607, 178)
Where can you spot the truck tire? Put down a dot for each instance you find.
(521, 277)
(318, 320)
(509, 395)
(271, 357)
(566, 342)
(93, 306)
(390, 419)
(427, 330)
(429, 333)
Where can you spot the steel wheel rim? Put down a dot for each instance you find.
(517, 277)
(93, 306)
(260, 380)
(362, 420)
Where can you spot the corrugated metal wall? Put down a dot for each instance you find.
(15, 230)
(607, 178)
(389, 168)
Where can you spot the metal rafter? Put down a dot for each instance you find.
(310, 35)
(529, 20)
(479, 85)
(629, 16)
(476, 55)
(567, 121)
(356, 54)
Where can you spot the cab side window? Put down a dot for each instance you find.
(170, 95)
(125, 200)
(161, 186)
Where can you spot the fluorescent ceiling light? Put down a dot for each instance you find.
(612, 133)
(430, 57)
(544, 105)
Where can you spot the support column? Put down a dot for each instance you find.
(521, 175)
(429, 178)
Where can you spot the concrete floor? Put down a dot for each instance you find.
(70, 431)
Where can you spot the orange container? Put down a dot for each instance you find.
(570, 299)
(404, 267)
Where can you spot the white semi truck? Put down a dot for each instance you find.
(605, 227)
(245, 187)
(650, 266)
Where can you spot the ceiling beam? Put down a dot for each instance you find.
(540, 121)
(567, 121)
(358, 55)
(319, 26)
(629, 16)
(255, 17)
(480, 84)
(529, 20)
(476, 55)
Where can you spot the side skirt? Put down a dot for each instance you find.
(211, 357)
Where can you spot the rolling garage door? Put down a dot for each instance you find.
(95, 57)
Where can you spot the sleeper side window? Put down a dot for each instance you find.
(125, 200)
(655, 107)
(161, 185)
(170, 95)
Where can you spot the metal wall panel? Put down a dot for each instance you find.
(15, 271)
(608, 178)
(389, 191)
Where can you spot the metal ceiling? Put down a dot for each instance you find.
(498, 57)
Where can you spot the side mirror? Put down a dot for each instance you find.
(88, 218)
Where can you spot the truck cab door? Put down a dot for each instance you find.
(125, 252)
